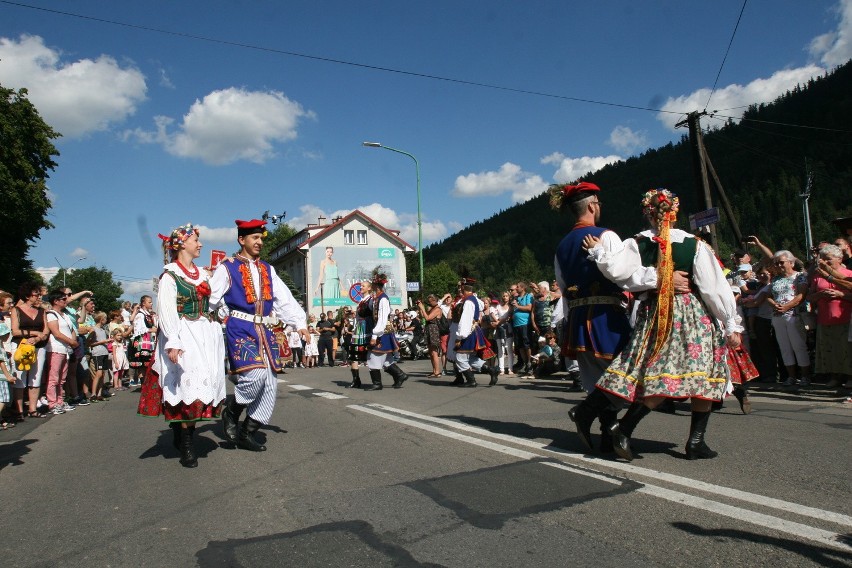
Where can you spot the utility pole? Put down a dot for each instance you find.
(806, 195)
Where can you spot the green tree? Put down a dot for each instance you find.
(104, 288)
(528, 269)
(26, 155)
(275, 238)
(440, 279)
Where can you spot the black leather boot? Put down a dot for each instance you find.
(356, 379)
(231, 419)
(622, 430)
(398, 375)
(245, 438)
(494, 372)
(187, 454)
(471, 378)
(459, 379)
(376, 379)
(742, 397)
(608, 417)
(584, 414)
(696, 448)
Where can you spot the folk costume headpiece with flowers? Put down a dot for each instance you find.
(175, 240)
(660, 207)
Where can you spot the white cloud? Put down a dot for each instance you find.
(734, 97)
(626, 141)
(508, 179)
(405, 223)
(571, 169)
(74, 98)
(218, 235)
(134, 289)
(47, 272)
(78, 252)
(228, 125)
(835, 48)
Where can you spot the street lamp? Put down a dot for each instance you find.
(65, 270)
(419, 220)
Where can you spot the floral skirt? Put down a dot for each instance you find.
(741, 366)
(691, 363)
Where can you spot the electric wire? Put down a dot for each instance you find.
(727, 51)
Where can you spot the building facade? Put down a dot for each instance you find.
(329, 260)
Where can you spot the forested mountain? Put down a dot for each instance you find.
(761, 162)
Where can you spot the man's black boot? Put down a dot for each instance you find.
(584, 414)
(398, 375)
(231, 419)
(494, 372)
(245, 438)
(622, 430)
(607, 417)
(459, 379)
(471, 378)
(376, 379)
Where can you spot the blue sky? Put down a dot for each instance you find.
(160, 129)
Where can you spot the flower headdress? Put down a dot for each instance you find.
(379, 279)
(173, 242)
(661, 206)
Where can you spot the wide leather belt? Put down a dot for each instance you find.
(593, 300)
(254, 318)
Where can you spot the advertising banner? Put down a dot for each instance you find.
(335, 271)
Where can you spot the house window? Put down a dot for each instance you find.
(348, 237)
(362, 237)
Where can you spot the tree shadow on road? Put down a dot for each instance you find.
(819, 555)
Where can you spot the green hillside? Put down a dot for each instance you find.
(761, 161)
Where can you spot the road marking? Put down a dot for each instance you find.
(301, 387)
(329, 395)
(807, 532)
(770, 502)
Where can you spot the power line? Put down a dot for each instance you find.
(727, 51)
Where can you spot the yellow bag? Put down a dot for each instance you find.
(25, 356)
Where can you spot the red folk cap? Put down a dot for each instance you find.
(250, 227)
(572, 191)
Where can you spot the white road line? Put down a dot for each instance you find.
(329, 395)
(301, 387)
(826, 538)
(770, 502)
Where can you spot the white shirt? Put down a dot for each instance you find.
(382, 318)
(66, 328)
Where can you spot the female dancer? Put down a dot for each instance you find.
(382, 340)
(189, 362)
(361, 334)
(677, 349)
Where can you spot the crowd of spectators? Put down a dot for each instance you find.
(59, 352)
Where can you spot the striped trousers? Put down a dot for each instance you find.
(256, 389)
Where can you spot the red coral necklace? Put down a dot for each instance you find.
(192, 275)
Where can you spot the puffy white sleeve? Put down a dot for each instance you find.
(284, 305)
(139, 327)
(466, 321)
(220, 283)
(714, 289)
(621, 263)
(381, 318)
(169, 318)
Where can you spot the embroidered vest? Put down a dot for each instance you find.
(189, 304)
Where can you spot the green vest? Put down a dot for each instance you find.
(683, 254)
(189, 305)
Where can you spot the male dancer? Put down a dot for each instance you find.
(251, 297)
(470, 338)
(382, 339)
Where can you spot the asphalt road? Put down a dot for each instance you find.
(430, 475)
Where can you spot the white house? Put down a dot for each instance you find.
(328, 261)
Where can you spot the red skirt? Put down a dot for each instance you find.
(742, 368)
(151, 403)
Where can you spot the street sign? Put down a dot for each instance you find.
(216, 256)
(412, 286)
(704, 218)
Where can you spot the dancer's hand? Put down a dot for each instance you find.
(734, 340)
(590, 242)
(680, 282)
(174, 355)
